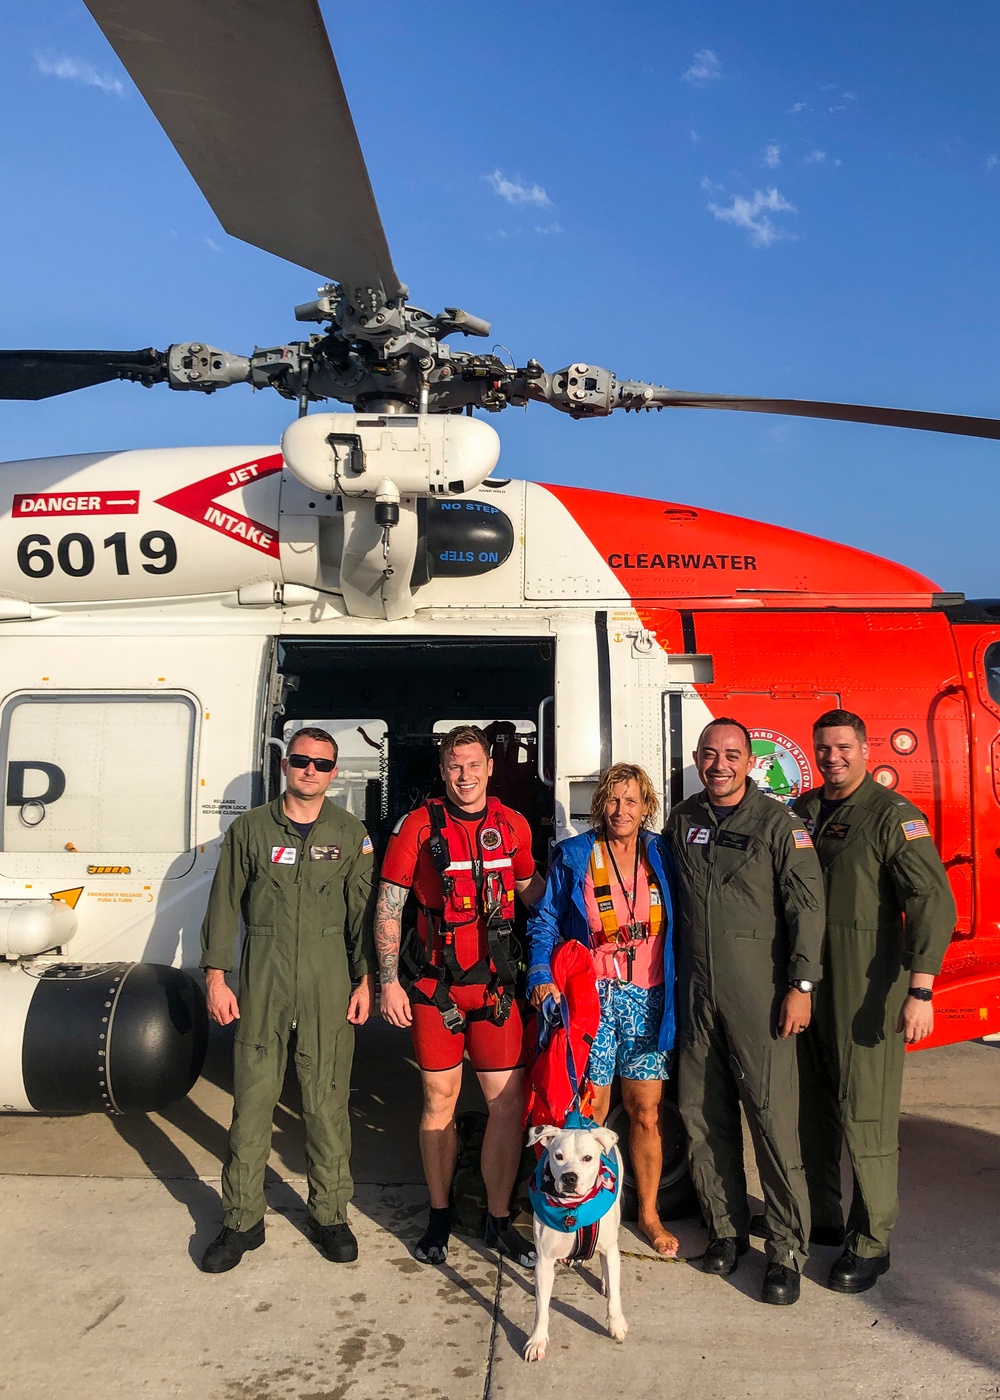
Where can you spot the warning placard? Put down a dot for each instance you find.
(48, 503)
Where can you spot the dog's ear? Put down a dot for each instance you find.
(543, 1134)
(605, 1137)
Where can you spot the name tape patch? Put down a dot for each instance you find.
(914, 829)
(732, 840)
(283, 855)
(802, 839)
(699, 835)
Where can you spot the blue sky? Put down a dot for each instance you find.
(778, 199)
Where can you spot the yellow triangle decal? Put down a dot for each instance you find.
(69, 897)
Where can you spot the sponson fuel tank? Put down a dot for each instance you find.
(112, 1037)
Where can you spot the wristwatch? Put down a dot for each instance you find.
(921, 993)
(801, 985)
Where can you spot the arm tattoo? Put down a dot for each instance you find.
(388, 917)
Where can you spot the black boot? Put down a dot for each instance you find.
(508, 1242)
(852, 1274)
(229, 1247)
(781, 1285)
(722, 1256)
(432, 1247)
(336, 1242)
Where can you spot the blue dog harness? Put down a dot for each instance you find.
(578, 1216)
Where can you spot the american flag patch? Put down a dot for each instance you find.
(802, 839)
(911, 830)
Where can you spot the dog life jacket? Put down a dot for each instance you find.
(628, 937)
(476, 884)
(579, 1216)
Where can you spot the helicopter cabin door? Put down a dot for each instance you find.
(388, 701)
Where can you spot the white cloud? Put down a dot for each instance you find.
(816, 157)
(771, 157)
(849, 96)
(514, 192)
(548, 228)
(705, 66)
(78, 70)
(211, 244)
(798, 107)
(992, 161)
(753, 215)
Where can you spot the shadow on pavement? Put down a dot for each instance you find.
(948, 1239)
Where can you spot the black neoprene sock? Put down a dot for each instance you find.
(501, 1236)
(432, 1247)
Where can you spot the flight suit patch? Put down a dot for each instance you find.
(283, 855)
(699, 835)
(324, 852)
(366, 846)
(912, 830)
(838, 830)
(732, 840)
(802, 839)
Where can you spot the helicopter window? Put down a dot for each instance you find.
(361, 763)
(98, 773)
(991, 665)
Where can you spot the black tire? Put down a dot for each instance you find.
(676, 1199)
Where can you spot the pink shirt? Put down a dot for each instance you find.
(612, 964)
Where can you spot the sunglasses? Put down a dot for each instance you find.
(303, 760)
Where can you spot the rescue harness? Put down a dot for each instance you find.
(481, 886)
(625, 937)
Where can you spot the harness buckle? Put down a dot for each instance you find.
(453, 1020)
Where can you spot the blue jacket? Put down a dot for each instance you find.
(561, 913)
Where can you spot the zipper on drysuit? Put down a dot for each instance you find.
(298, 926)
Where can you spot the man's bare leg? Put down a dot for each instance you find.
(503, 1091)
(643, 1100)
(438, 1139)
(438, 1152)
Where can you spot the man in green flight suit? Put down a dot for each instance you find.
(299, 870)
(750, 929)
(890, 916)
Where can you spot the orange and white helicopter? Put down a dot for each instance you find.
(169, 616)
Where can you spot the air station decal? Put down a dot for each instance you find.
(197, 502)
(779, 768)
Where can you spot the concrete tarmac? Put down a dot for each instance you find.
(105, 1218)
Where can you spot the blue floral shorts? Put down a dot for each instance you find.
(626, 1038)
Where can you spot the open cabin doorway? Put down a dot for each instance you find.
(388, 702)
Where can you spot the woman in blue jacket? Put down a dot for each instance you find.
(611, 889)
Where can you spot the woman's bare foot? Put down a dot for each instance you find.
(659, 1237)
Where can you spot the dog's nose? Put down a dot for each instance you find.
(569, 1180)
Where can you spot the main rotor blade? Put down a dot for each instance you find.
(249, 94)
(41, 374)
(813, 408)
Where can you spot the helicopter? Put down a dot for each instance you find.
(182, 611)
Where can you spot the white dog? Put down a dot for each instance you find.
(575, 1175)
